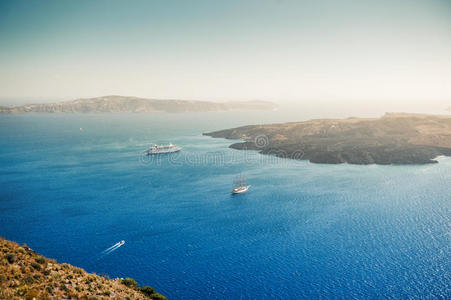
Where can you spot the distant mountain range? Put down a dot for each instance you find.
(124, 104)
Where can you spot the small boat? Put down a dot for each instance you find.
(240, 186)
(162, 149)
(121, 243)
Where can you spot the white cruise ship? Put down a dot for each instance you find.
(162, 149)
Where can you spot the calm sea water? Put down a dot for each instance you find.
(303, 231)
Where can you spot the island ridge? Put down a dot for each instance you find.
(395, 138)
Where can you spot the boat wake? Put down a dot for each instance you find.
(112, 248)
(95, 260)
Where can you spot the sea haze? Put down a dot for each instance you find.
(74, 185)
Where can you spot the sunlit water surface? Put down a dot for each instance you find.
(302, 231)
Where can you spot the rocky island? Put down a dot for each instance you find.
(395, 138)
(24, 274)
(124, 104)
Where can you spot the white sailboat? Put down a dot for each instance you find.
(240, 186)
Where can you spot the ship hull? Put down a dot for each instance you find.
(241, 190)
(155, 152)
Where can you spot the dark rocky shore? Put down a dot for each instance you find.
(392, 139)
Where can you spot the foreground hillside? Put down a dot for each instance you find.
(118, 104)
(391, 139)
(26, 275)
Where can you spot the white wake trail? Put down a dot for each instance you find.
(107, 251)
(113, 248)
(110, 248)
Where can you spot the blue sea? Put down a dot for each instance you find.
(73, 185)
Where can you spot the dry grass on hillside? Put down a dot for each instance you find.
(26, 275)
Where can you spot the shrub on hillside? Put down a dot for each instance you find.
(40, 260)
(157, 296)
(36, 266)
(150, 292)
(28, 280)
(11, 258)
(130, 282)
(147, 290)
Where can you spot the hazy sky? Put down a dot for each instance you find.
(359, 50)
